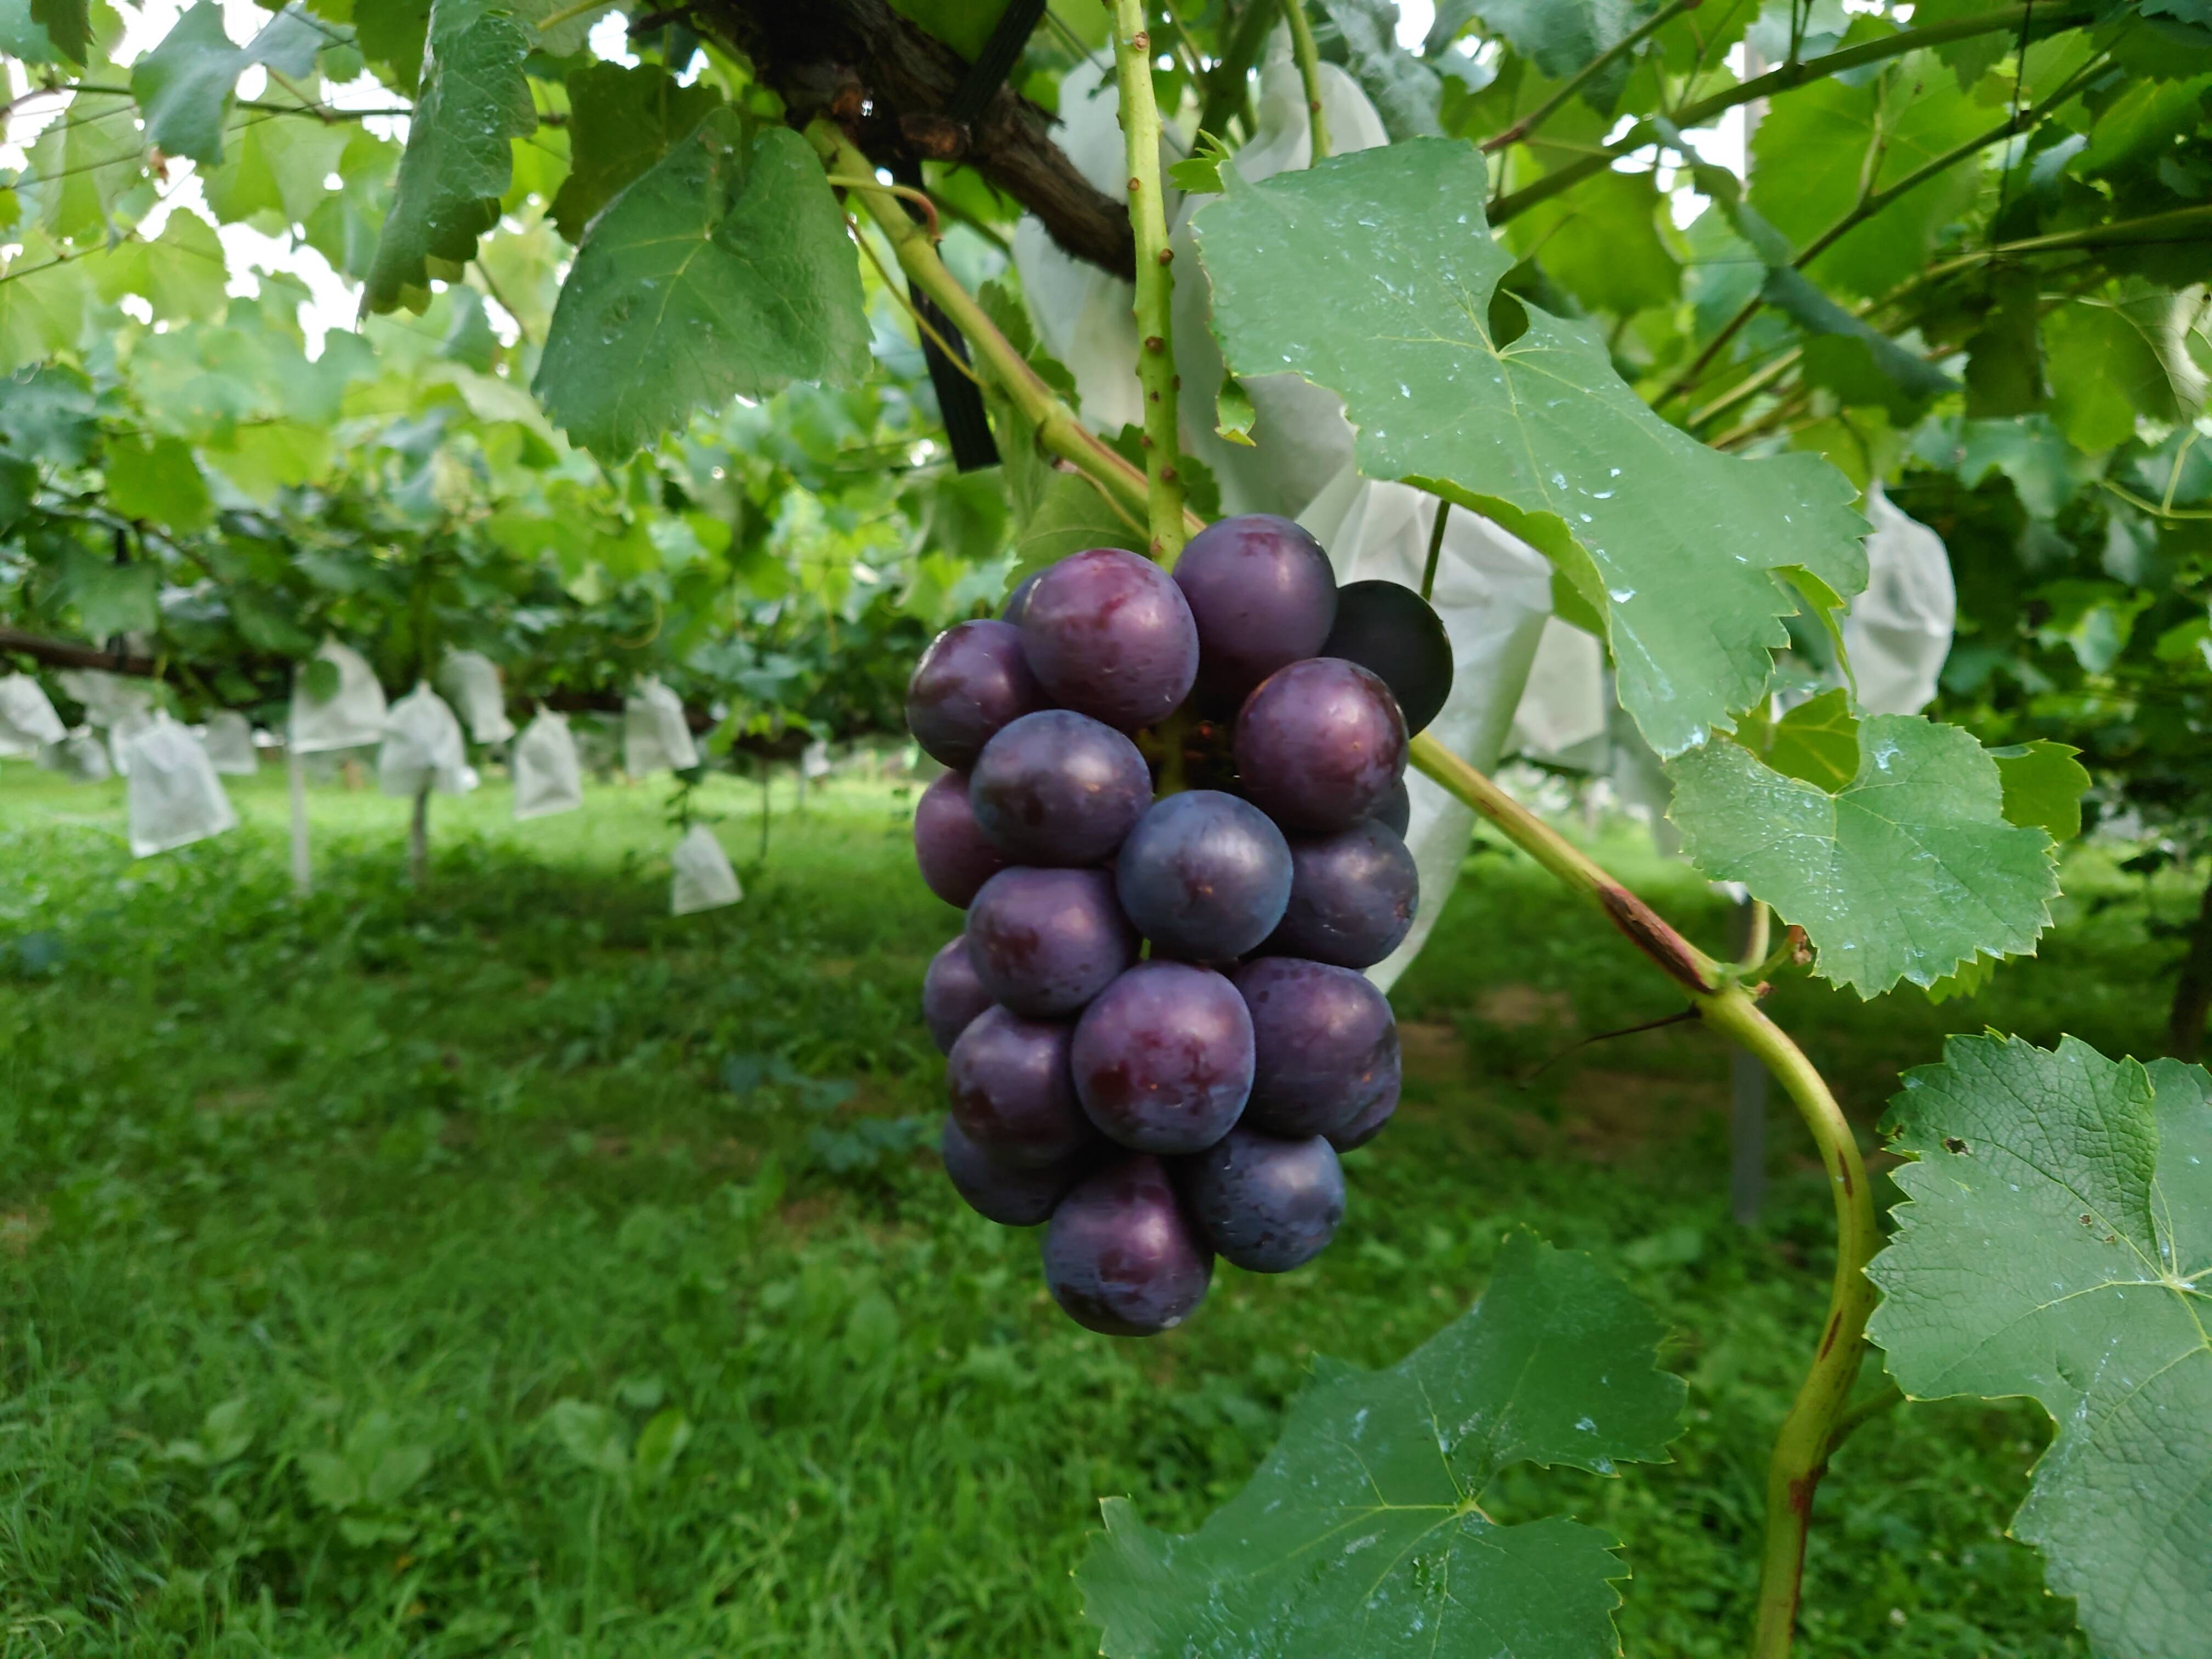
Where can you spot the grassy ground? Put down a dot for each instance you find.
(510, 1266)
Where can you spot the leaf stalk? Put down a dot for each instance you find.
(1309, 58)
(1723, 1001)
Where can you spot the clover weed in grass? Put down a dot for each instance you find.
(508, 1266)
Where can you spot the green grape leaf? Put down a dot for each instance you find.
(46, 414)
(1815, 148)
(84, 168)
(724, 271)
(46, 31)
(2057, 1244)
(473, 102)
(1601, 242)
(44, 303)
(2043, 787)
(155, 478)
(180, 274)
(1817, 742)
(1404, 90)
(1373, 275)
(2110, 360)
(1563, 36)
(111, 598)
(621, 121)
(185, 84)
(1904, 873)
(274, 172)
(1363, 1532)
(1861, 365)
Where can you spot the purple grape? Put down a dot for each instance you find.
(1262, 595)
(1011, 1091)
(1367, 1125)
(1121, 1256)
(1324, 1045)
(951, 995)
(971, 681)
(954, 856)
(1319, 745)
(1108, 634)
(1353, 898)
(1045, 942)
(1388, 627)
(1018, 600)
(1396, 813)
(1007, 1194)
(1163, 1060)
(1266, 1204)
(1205, 876)
(1056, 787)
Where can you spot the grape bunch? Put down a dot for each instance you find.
(1175, 817)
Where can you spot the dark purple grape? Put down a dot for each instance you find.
(971, 681)
(1266, 1204)
(1324, 1045)
(1163, 1060)
(1121, 1256)
(1018, 600)
(1389, 628)
(1353, 898)
(1205, 876)
(1045, 942)
(1057, 788)
(951, 995)
(1004, 1192)
(1108, 634)
(1262, 595)
(1011, 1092)
(1396, 814)
(1367, 1125)
(955, 857)
(1319, 745)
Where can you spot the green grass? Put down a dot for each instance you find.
(398, 1273)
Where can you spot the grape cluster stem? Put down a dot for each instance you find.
(1155, 283)
(1726, 1002)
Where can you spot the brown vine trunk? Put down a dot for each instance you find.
(2193, 991)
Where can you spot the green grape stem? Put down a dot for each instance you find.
(1059, 432)
(1725, 1002)
(1156, 372)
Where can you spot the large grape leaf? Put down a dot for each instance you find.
(473, 101)
(621, 121)
(1363, 1533)
(2058, 1244)
(1906, 871)
(1374, 275)
(185, 84)
(724, 271)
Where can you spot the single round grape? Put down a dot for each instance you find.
(1324, 1045)
(1396, 813)
(1108, 634)
(1163, 1060)
(951, 994)
(1008, 1081)
(1122, 1256)
(955, 855)
(1057, 788)
(1353, 898)
(1266, 1204)
(1018, 600)
(971, 681)
(1262, 595)
(1319, 745)
(1367, 1125)
(1004, 1192)
(1205, 876)
(1389, 628)
(1045, 942)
